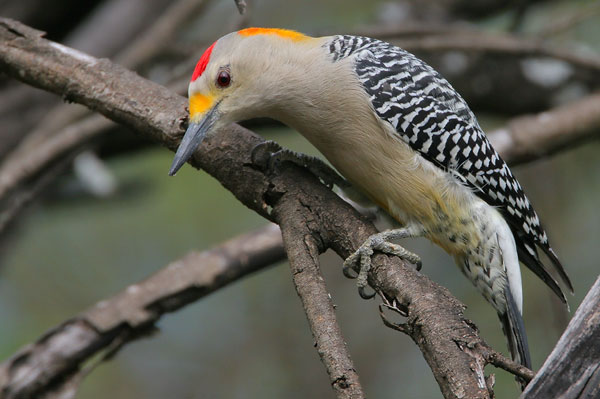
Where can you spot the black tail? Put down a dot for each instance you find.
(514, 330)
(527, 249)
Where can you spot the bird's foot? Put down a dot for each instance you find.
(269, 154)
(378, 242)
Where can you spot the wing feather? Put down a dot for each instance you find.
(430, 116)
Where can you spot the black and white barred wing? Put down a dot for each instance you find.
(430, 116)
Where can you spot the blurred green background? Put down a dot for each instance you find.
(251, 339)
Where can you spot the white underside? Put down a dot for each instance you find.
(507, 244)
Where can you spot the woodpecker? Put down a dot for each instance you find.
(401, 136)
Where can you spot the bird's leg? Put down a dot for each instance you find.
(380, 242)
(275, 155)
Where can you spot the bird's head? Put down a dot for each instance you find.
(232, 81)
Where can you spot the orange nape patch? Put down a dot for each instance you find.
(203, 62)
(199, 104)
(285, 33)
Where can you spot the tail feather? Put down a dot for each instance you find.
(527, 250)
(535, 265)
(514, 330)
(558, 267)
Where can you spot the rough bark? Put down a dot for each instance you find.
(303, 245)
(572, 371)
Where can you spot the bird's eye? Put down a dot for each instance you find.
(223, 79)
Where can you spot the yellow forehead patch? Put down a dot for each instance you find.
(285, 33)
(199, 104)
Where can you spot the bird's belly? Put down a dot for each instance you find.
(411, 189)
(416, 192)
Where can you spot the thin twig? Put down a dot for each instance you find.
(20, 167)
(499, 360)
(470, 39)
(160, 33)
(241, 6)
(25, 195)
(410, 30)
(563, 24)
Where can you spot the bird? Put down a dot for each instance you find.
(401, 136)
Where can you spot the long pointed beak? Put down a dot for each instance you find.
(195, 133)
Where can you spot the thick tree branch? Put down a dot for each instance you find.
(450, 343)
(56, 359)
(572, 371)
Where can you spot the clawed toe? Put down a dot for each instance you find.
(349, 272)
(419, 265)
(263, 154)
(268, 155)
(378, 242)
(362, 291)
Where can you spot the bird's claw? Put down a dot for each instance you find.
(263, 153)
(324, 172)
(363, 256)
(362, 291)
(268, 155)
(348, 271)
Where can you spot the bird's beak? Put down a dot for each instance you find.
(195, 133)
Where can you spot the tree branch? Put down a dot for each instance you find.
(66, 127)
(572, 371)
(498, 44)
(57, 358)
(241, 6)
(534, 136)
(26, 163)
(158, 35)
(110, 27)
(450, 343)
(25, 194)
(303, 251)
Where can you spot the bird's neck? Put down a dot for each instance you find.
(318, 97)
